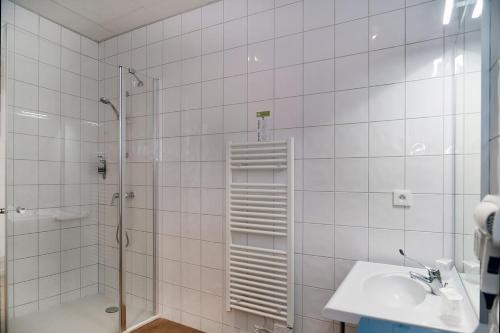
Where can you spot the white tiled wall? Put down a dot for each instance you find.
(52, 137)
(372, 93)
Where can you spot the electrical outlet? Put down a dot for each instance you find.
(278, 328)
(402, 198)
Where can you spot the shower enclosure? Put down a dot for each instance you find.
(79, 152)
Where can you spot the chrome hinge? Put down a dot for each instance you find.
(2, 210)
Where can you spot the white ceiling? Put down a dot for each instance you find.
(102, 19)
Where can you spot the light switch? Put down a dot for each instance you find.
(402, 198)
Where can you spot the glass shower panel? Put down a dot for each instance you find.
(463, 110)
(71, 265)
(60, 269)
(3, 129)
(139, 196)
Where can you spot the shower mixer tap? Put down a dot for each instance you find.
(101, 165)
(116, 195)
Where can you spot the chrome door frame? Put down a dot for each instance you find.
(156, 154)
(122, 127)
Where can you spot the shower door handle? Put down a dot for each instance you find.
(118, 238)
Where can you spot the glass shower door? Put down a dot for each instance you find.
(138, 150)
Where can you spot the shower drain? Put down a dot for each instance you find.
(111, 309)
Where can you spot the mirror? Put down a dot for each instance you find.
(465, 152)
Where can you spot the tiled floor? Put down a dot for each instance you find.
(164, 326)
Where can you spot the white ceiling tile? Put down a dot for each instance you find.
(102, 19)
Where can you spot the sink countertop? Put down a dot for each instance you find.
(352, 301)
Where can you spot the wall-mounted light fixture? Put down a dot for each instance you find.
(448, 10)
(478, 9)
(450, 5)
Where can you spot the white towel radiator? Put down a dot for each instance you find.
(259, 229)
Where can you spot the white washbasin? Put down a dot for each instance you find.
(388, 293)
(394, 290)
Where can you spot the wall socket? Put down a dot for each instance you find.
(402, 198)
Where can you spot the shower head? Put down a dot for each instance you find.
(138, 82)
(106, 100)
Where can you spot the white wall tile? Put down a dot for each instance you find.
(172, 26)
(70, 40)
(288, 81)
(212, 39)
(387, 102)
(318, 176)
(346, 10)
(26, 20)
(261, 26)
(318, 109)
(426, 213)
(384, 244)
(289, 50)
(351, 106)
(318, 44)
(212, 66)
(260, 86)
(351, 174)
(432, 105)
(424, 60)
(386, 138)
(387, 30)
(318, 13)
(387, 66)
(351, 242)
(424, 136)
(351, 209)
(351, 140)
(351, 37)
(318, 77)
(318, 142)
(234, 9)
(191, 20)
(235, 33)
(289, 112)
(386, 174)
(261, 56)
(212, 14)
(383, 214)
(50, 30)
(191, 44)
(318, 239)
(235, 61)
(235, 89)
(351, 72)
(139, 37)
(424, 21)
(424, 174)
(381, 6)
(289, 19)
(428, 254)
(313, 265)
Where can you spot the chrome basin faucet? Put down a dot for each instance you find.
(433, 278)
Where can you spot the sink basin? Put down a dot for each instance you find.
(394, 290)
(387, 292)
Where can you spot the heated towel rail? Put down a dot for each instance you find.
(259, 229)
